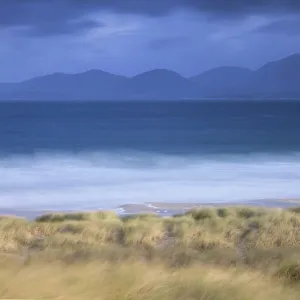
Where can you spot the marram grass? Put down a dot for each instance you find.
(212, 253)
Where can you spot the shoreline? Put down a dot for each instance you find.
(159, 208)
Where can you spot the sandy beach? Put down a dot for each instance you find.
(164, 208)
(160, 208)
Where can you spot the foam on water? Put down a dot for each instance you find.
(104, 181)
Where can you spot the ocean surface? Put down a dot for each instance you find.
(101, 155)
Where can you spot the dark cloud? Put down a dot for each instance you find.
(289, 27)
(54, 16)
(245, 7)
(160, 7)
(42, 18)
(166, 42)
(61, 28)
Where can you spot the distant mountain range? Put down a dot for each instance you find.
(278, 79)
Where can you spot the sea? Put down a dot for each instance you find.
(61, 156)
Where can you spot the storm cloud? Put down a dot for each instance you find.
(127, 37)
(167, 42)
(290, 27)
(57, 16)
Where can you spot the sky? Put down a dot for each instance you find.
(127, 37)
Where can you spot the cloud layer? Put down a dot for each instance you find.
(130, 36)
(57, 16)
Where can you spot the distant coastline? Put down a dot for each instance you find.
(274, 80)
(159, 208)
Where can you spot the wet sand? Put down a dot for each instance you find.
(161, 208)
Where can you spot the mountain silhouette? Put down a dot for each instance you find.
(89, 84)
(221, 80)
(159, 84)
(275, 79)
(278, 79)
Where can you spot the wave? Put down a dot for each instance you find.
(99, 180)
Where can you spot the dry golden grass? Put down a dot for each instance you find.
(137, 281)
(212, 253)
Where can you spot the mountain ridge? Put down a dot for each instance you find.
(274, 79)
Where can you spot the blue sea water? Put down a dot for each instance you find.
(99, 155)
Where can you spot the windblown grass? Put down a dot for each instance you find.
(211, 253)
(137, 282)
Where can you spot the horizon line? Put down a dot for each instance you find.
(150, 70)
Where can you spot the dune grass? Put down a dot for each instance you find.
(138, 281)
(210, 253)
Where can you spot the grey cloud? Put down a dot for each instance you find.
(162, 43)
(42, 18)
(160, 7)
(288, 27)
(61, 28)
(53, 16)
